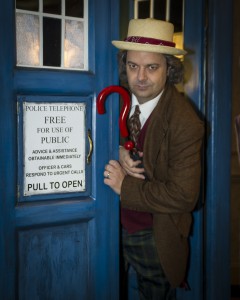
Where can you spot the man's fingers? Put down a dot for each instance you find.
(136, 175)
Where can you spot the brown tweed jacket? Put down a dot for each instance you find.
(172, 161)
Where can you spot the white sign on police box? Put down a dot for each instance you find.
(54, 147)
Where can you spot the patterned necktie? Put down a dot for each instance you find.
(134, 125)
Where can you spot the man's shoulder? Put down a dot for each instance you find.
(180, 106)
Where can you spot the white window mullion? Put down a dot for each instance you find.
(41, 31)
(63, 35)
(41, 39)
(168, 3)
(151, 8)
(136, 9)
(85, 24)
(183, 14)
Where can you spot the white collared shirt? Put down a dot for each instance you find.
(145, 108)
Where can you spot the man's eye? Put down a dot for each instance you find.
(152, 67)
(132, 66)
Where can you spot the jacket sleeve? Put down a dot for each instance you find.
(174, 178)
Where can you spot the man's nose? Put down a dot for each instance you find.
(142, 74)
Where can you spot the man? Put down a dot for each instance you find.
(157, 199)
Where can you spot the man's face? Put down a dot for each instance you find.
(146, 73)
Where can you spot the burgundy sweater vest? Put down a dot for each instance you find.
(133, 220)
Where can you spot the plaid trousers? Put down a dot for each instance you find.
(139, 251)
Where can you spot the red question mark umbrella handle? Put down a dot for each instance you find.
(124, 111)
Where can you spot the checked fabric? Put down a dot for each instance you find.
(134, 125)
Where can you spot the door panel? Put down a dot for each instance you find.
(208, 85)
(194, 90)
(59, 245)
(60, 269)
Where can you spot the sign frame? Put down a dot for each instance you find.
(52, 100)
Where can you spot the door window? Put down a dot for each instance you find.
(168, 10)
(52, 34)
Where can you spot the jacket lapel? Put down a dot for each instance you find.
(156, 131)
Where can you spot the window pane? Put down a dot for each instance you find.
(74, 45)
(160, 9)
(176, 10)
(52, 7)
(27, 39)
(74, 8)
(27, 4)
(51, 42)
(143, 9)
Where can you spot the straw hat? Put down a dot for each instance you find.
(150, 35)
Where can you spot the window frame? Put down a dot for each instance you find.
(63, 18)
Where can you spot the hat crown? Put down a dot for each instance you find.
(151, 28)
(150, 35)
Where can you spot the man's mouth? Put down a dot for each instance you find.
(142, 86)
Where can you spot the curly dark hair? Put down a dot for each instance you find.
(174, 68)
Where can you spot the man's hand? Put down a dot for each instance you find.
(129, 165)
(114, 175)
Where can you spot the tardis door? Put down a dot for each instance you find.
(58, 221)
(207, 39)
(208, 85)
(194, 18)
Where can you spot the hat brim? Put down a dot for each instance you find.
(148, 48)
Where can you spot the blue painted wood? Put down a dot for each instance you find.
(60, 255)
(53, 212)
(89, 269)
(218, 106)
(53, 82)
(7, 157)
(194, 89)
